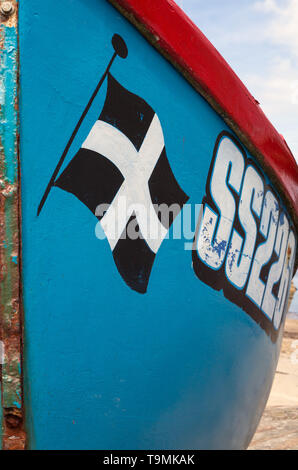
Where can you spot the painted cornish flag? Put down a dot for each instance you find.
(123, 165)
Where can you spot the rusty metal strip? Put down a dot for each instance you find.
(13, 436)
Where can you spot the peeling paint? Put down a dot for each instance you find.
(13, 436)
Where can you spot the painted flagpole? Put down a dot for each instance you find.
(120, 49)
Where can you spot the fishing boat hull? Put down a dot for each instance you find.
(168, 340)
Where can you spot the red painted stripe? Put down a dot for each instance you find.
(187, 46)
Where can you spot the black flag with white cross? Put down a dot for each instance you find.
(122, 174)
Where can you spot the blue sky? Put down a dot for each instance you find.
(259, 39)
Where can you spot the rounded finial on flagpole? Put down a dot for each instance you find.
(120, 46)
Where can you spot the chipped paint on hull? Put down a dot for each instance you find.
(10, 307)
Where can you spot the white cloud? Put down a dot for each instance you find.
(279, 89)
(283, 27)
(259, 39)
(267, 5)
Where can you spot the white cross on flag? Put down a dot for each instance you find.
(123, 160)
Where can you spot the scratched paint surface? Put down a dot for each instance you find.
(106, 367)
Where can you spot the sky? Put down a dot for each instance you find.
(259, 40)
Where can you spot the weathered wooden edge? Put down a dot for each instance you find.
(11, 316)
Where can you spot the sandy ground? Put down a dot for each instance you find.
(278, 429)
